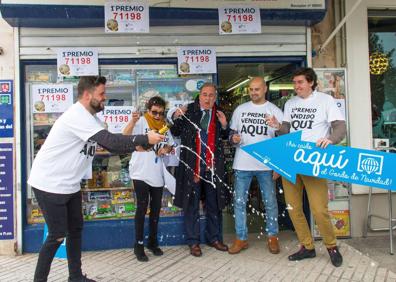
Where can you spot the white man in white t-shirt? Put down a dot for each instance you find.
(249, 126)
(63, 160)
(321, 121)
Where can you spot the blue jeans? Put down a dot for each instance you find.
(243, 179)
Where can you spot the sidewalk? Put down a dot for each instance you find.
(254, 264)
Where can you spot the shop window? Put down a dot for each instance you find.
(108, 193)
(382, 48)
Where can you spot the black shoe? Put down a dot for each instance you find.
(335, 256)
(138, 250)
(155, 250)
(303, 253)
(82, 279)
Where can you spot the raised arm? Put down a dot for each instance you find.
(122, 144)
(131, 124)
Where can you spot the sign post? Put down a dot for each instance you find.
(6, 160)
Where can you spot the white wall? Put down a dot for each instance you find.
(7, 44)
(359, 100)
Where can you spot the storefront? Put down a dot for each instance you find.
(139, 66)
(370, 39)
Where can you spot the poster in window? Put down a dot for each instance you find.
(51, 98)
(126, 16)
(239, 19)
(332, 81)
(196, 60)
(77, 62)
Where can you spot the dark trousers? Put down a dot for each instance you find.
(212, 213)
(144, 193)
(63, 215)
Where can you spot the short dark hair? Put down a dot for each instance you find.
(309, 75)
(89, 83)
(155, 101)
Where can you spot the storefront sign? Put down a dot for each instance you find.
(6, 192)
(77, 62)
(126, 16)
(116, 117)
(265, 4)
(195, 60)
(239, 19)
(6, 109)
(288, 155)
(51, 98)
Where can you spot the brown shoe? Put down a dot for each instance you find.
(195, 250)
(220, 246)
(238, 246)
(273, 244)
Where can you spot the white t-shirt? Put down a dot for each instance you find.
(313, 115)
(146, 166)
(67, 153)
(248, 120)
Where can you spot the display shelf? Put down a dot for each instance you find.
(44, 124)
(105, 189)
(126, 201)
(103, 153)
(109, 193)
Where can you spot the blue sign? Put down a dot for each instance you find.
(61, 252)
(6, 109)
(6, 192)
(288, 155)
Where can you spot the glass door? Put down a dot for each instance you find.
(233, 80)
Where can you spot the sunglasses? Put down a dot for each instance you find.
(155, 113)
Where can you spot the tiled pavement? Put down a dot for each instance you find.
(254, 264)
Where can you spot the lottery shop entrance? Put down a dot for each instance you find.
(233, 77)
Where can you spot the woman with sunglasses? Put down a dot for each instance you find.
(146, 171)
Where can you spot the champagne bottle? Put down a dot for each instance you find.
(165, 128)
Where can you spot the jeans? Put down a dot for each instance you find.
(267, 186)
(63, 215)
(143, 191)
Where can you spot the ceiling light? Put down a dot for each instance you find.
(238, 84)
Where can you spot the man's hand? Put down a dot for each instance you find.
(236, 138)
(164, 150)
(323, 142)
(135, 117)
(222, 118)
(179, 112)
(273, 122)
(196, 179)
(154, 137)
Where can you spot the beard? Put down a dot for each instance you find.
(96, 105)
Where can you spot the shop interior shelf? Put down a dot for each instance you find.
(106, 189)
